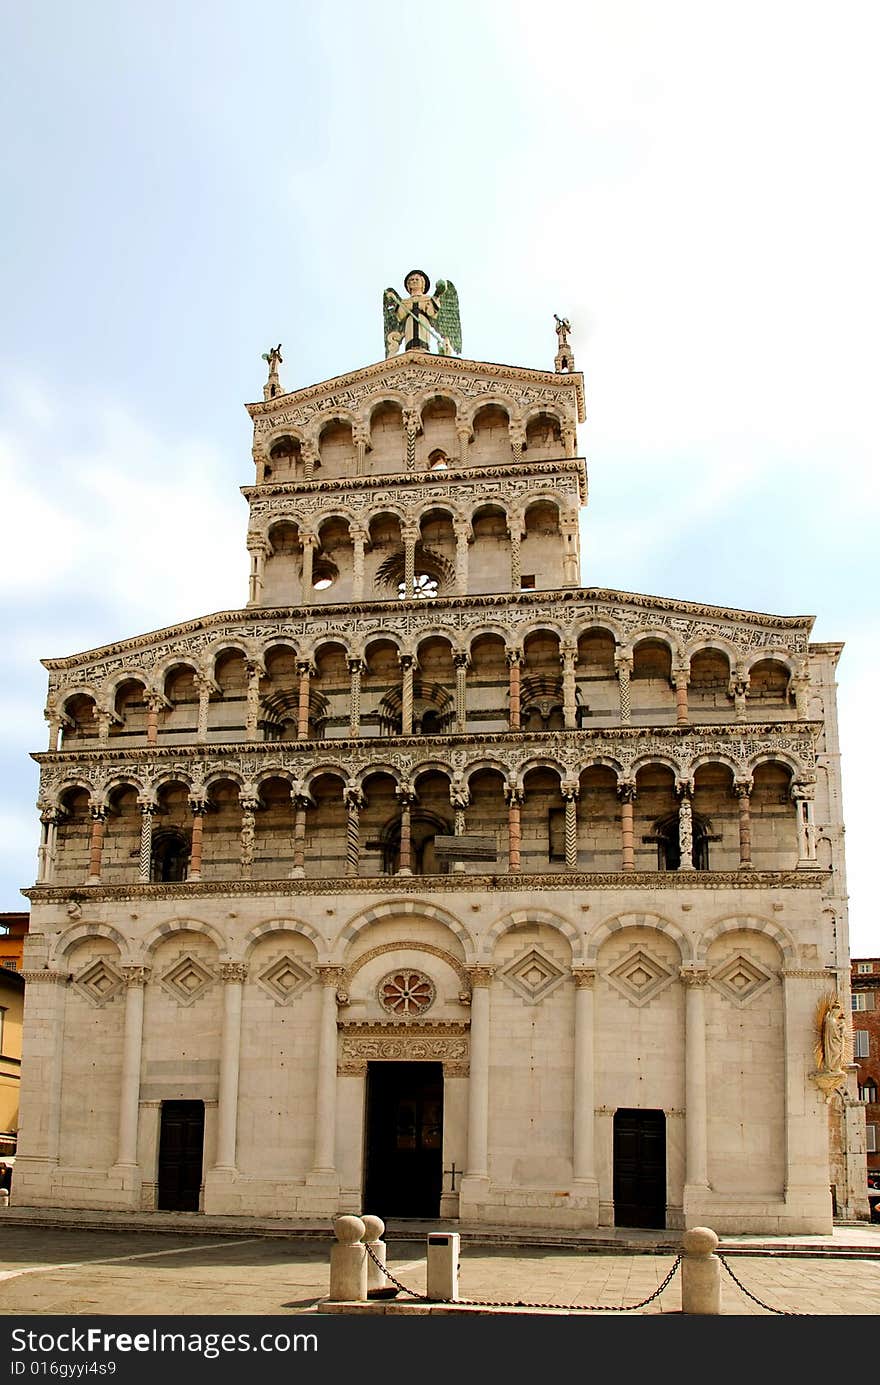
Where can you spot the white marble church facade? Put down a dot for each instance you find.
(263, 976)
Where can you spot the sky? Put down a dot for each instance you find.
(694, 186)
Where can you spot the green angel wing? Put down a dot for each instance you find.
(390, 304)
(448, 321)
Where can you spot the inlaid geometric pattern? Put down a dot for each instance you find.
(640, 977)
(739, 979)
(532, 975)
(406, 992)
(283, 979)
(186, 980)
(99, 982)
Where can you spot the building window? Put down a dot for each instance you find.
(871, 1145)
(527, 582)
(2, 1026)
(869, 1093)
(863, 1000)
(860, 1043)
(864, 968)
(9, 963)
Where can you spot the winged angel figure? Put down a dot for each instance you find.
(422, 317)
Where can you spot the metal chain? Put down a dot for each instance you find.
(783, 1312)
(520, 1303)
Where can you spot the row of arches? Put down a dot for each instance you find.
(330, 824)
(393, 435)
(438, 684)
(392, 554)
(346, 947)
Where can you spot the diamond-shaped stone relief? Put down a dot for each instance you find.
(740, 979)
(640, 977)
(532, 975)
(187, 979)
(98, 982)
(283, 979)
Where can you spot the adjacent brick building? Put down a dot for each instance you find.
(866, 1048)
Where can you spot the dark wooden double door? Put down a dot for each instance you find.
(640, 1168)
(181, 1146)
(403, 1176)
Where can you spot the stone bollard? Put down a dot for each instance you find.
(700, 1272)
(348, 1262)
(376, 1277)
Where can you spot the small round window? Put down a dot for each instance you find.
(324, 575)
(406, 992)
(424, 586)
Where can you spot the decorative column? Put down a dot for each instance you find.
(301, 805)
(206, 686)
(258, 548)
(462, 530)
(50, 818)
(514, 530)
(743, 789)
(146, 852)
(514, 796)
(569, 687)
(233, 976)
(680, 679)
(514, 660)
(353, 798)
(309, 454)
(410, 535)
(798, 688)
(570, 572)
(569, 435)
(626, 792)
(802, 795)
(103, 717)
(478, 1084)
(96, 844)
(405, 794)
(135, 978)
(309, 544)
(304, 669)
(406, 695)
(358, 545)
(463, 433)
(198, 807)
(461, 667)
(411, 426)
(324, 1162)
(249, 808)
(255, 671)
(570, 795)
(697, 1156)
(360, 436)
(459, 799)
(154, 702)
(623, 662)
(355, 669)
(517, 440)
(54, 720)
(584, 1156)
(738, 689)
(685, 826)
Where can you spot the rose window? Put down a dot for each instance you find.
(406, 992)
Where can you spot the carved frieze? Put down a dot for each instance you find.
(440, 1042)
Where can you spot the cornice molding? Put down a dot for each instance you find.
(433, 368)
(408, 480)
(596, 601)
(519, 885)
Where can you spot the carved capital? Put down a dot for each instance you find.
(584, 977)
(46, 977)
(626, 791)
(135, 975)
(514, 656)
(331, 976)
(233, 972)
(480, 976)
(694, 976)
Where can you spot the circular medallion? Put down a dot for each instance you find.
(405, 992)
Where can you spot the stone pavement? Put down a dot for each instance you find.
(61, 1269)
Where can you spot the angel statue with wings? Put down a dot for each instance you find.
(422, 317)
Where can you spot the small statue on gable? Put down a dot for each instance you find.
(273, 384)
(564, 354)
(422, 317)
